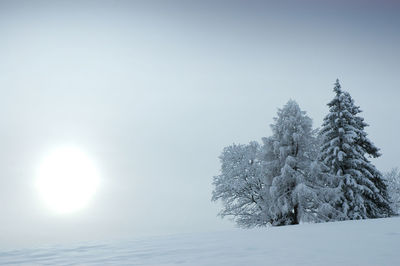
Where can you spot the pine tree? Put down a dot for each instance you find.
(344, 150)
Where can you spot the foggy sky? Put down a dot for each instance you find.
(153, 91)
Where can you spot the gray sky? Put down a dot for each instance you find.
(153, 91)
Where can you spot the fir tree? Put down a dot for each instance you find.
(344, 150)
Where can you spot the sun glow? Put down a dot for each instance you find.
(67, 179)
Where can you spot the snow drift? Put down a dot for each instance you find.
(366, 242)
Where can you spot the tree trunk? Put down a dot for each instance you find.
(296, 214)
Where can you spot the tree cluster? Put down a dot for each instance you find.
(393, 187)
(303, 175)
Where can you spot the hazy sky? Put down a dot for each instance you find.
(153, 91)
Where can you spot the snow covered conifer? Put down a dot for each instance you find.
(280, 183)
(344, 150)
(293, 175)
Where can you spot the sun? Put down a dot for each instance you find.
(67, 179)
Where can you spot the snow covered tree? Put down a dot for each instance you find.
(240, 186)
(281, 182)
(393, 181)
(344, 150)
(293, 174)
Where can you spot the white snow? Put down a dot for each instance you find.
(367, 242)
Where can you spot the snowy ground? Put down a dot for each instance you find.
(372, 242)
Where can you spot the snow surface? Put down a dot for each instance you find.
(368, 242)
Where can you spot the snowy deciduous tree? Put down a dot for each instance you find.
(241, 186)
(393, 181)
(344, 150)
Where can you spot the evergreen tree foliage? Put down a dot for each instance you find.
(344, 151)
